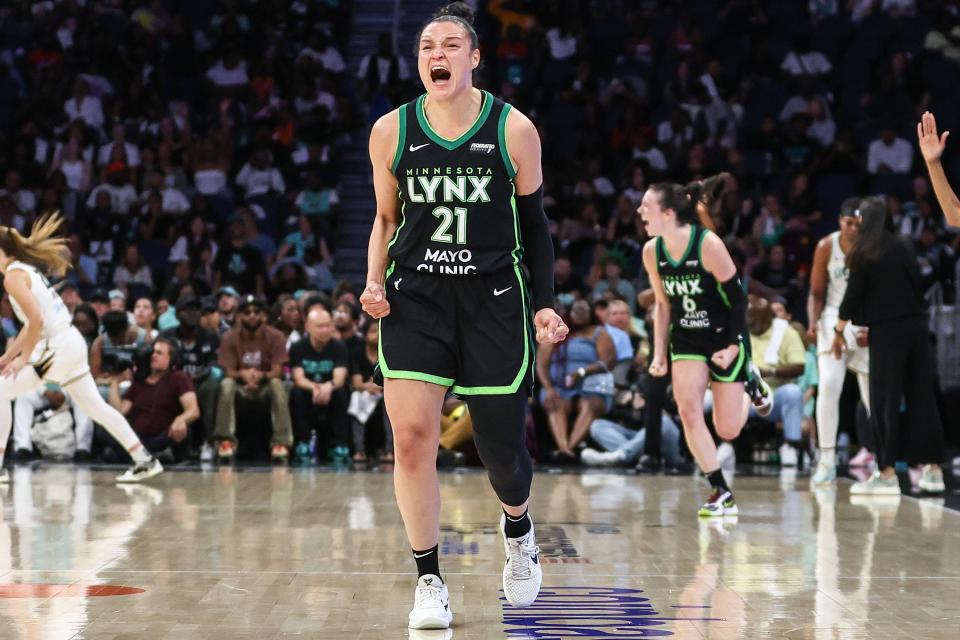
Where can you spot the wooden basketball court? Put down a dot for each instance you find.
(281, 553)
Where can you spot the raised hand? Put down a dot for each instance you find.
(931, 145)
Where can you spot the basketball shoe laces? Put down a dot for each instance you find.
(429, 595)
(522, 552)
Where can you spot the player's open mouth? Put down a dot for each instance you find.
(439, 75)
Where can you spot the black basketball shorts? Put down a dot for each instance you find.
(700, 346)
(473, 334)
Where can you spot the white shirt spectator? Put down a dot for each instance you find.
(323, 98)
(561, 46)
(133, 154)
(120, 197)
(257, 182)
(173, 200)
(223, 77)
(329, 58)
(898, 156)
(621, 342)
(653, 156)
(811, 63)
(26, 201)
(383, 68)
(123, 276)
(89, 110)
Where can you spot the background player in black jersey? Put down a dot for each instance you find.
(446, 283)
(700, 299)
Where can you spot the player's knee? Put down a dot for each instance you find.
(727, 428)
(690, 415)
(414, 444)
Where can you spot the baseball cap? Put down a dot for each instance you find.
(208, 304)
(116, 294)
(227, 291)
(251, 300)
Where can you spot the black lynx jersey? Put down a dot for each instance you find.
(458, 211)
(697, 303)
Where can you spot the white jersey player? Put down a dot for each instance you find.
(48, 347)
(828, 283)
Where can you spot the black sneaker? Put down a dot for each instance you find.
(649, 464)
(82, 456)
(22, 455)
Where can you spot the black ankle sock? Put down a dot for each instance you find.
(428, 562)
(717, 481)
(516, 526)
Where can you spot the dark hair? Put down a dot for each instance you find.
(115, 322)
(458, 13)
(353, 309)
(873, 237)
(849, 207)
(173, 349)
(684, 200)
(85, 309)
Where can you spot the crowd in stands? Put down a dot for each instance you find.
(193, 148)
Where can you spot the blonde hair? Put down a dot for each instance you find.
(42, 248)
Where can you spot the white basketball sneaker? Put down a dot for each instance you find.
(431, 605)
(141, 471)
(522, 573)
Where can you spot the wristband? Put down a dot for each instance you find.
(582, 372)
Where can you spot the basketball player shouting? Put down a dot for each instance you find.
(459, 205)
(49, 348)
(828, 283)
(699, 297)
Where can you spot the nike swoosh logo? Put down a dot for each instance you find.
(663, 264)
(498, 292)
(422, 555)
(419, 146)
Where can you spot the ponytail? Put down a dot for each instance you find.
(695, 203)
(42, 248)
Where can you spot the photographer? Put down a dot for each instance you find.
(198, 354)
(161, 406)
(112, 353)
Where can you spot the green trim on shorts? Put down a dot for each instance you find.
(687, 356)
(401, 139)
(741, 357)
(524, 366)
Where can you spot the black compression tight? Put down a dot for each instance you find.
(500, 433)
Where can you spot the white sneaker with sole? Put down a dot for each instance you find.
(522, 573)
(431, 605)
(931, 479)
(826, 474)
(141, 471)
(877, 485)
(788, 455)
(594, 458)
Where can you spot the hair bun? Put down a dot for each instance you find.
(456, 10)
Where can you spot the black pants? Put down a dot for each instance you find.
(330, 421)
(901, 368)
(655, 395)
(500, 433)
